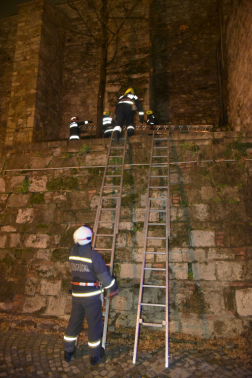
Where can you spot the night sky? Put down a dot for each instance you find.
(9, 7)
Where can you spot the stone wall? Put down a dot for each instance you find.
(238, 56)
(47, 190)
(184, 44)
(8, 29)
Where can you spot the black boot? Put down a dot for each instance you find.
(68, 356)
(95, 360)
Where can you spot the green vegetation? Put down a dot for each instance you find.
(37, 199)
(84, 150)
(24, 186)
(66, 156)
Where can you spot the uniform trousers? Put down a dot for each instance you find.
(124, 112)
(91, 308)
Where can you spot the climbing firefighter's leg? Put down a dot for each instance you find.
(74, 325)
(120, 117)
(130, 122)
(93, 312)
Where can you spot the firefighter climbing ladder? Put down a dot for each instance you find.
(159, 153)
(114, 171)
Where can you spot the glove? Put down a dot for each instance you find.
(88, 122)
(113, 293)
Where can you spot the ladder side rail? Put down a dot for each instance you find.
(168, 228)
(98, 211)
(144, 256)
(116, 226)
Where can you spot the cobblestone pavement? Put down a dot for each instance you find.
(35, 355)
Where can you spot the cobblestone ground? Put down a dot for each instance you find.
(35, 355)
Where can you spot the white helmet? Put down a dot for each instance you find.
(82, 235)
(74, 118)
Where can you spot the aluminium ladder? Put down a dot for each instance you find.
(146, 286)
(113, 172)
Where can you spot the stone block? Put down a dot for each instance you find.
(228, 327)
(15, 183)
(231, 192)
(96, 159)
(40, 162)
(8, 229)
(178, 214)
(243, 300)
(123, 301)
(50, 287)
(2, 185)
(215, 303)
(36, 241)
(33, 304)
(208, 192)
(130, 270)
(205, 271)
(175, 256)
(43, 254)
(121, 240)
(125, 226)
(196, 327)
(179, 271)
(56, 306)
(200, 212)
(78, 200)
(230, 271)
(15, 240)
(3, 239)
(139, 215)
(37, 184)
(31, 286)
(18, 200)
(220, 254)
(25, 216)
(200, 238)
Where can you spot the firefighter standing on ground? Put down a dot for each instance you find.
(125, 110)
(75, 128)
(88, 270)
(108, 124)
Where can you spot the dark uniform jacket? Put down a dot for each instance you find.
(88, 266)
(131, 99)
(151, 120)
(75, 129)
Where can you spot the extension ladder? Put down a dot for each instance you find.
(108, 211)
(147, 286)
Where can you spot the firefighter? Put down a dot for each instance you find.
(108, 124)
(75, 128)
(125, 109)
(89, 271)
(151, 119)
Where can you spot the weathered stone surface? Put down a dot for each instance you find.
(229, 271)
(179, 271)
(200, 212)
(200, 238)
(15, 240)
(38, 184)
(36, 241)
(203, 271)
(130, 271)
(8, 229)
(2, 185)
(124, 301)
(56, 306)
(50, 287)
(18, 200)
(25, 216)
(243, 299)
(34, 304)
(30, 287)
(3, 239)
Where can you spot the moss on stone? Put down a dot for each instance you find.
(59, 255)
(37, 199)
(24, 186)
(25, 254)
(63, 183)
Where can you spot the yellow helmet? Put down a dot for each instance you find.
(149, 112)
(106, 113)
(130, 90)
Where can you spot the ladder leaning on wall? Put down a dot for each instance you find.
(108, 211)
(156, 205)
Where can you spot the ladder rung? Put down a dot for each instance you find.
(161, 287)
(158, 199)
(162, 269)
(160, 139)
(111, 186)
(108, 209)
(153, 304)
(155, 253)
(109, 197)
(115, 157)
(105, 235)
(102, 249)
(106, 221)
(157, 211)
(158, 187)
(152, 324)
(115, 176)
(160, 166)
(116, 148)
(160, 176)
(165, 156)
(155, 224)
(154, 237)
(119, 165)
(159, 147)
